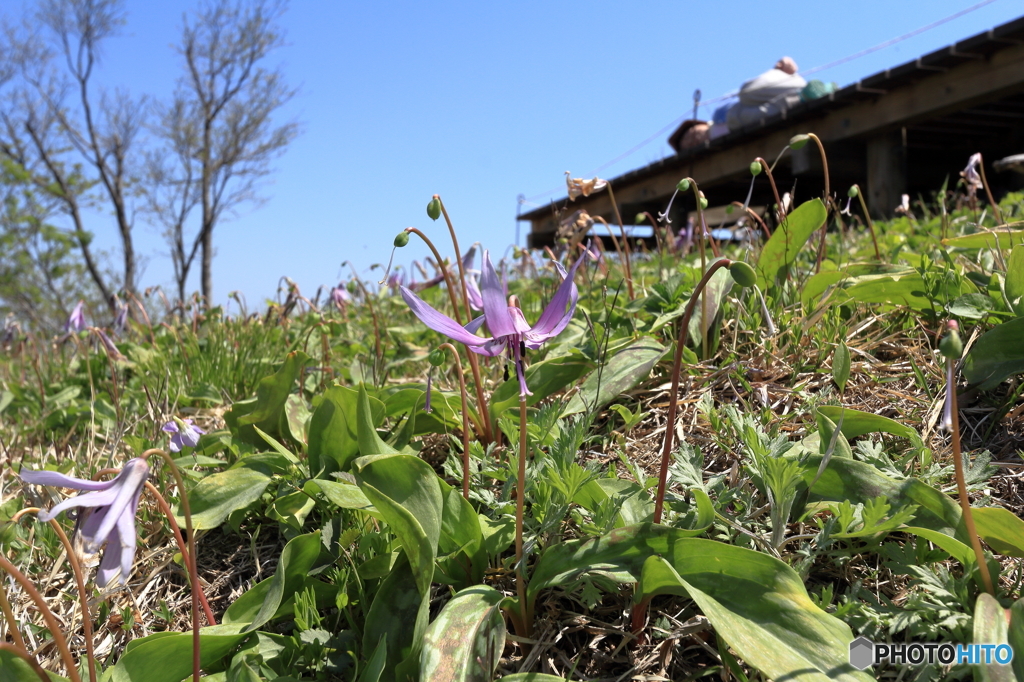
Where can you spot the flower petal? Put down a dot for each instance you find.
(101, 498)
(559, 311)
(131, 481)
(495, 307)
(57, 480)
(440, 322)
(475, 324)
(110, 564)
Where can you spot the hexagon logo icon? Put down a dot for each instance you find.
(862, 652)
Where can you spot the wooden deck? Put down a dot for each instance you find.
(904, 130)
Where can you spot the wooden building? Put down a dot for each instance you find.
(904, 130)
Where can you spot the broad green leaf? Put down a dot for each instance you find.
(781, 249)
(857, 423)
(366, 428)
(996, 355)
(623, 371)
(260, 604)
(297, 415)
(990, 628)
(276, 445)
(1001, 529)
(344, 495)
(1002, 238)
(167, 656)
(974, 307)
(15, 669)
(405, 491)
(543, 378)
(398, 616)
(1014, 282)
(462, 539)
(1015, 636)
(465, 641)
(273, 391)
(292, 509)
(375, 666)
(816, 285)
(757, 603)
(717, 290)
(333, 436)
(956, 549)
(217, 495)
(841, 365)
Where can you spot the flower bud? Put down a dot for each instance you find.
(684, 185)
(798, 141)
(853, 191)
(401, 239)
(640, 217)
(434, 208)
(703, 201)
(729, 209)
(436, 357)
(742, 273)
(951, 346)
(755, 168)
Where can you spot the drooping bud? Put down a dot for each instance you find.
(798, 141)
(401, 239)
(742, 273)
(684, 185)
(729, 209)
(639, 218)
(434, 208)
(853, 191)
(703, 201)
(755, 168)
(436, 357)
(951, 346)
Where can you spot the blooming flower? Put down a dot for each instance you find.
(76, 320)
(185, 434)
(971, 177)
(579, 186)
(340, 297)
(511, 333)
(121, 319)
(107, 516)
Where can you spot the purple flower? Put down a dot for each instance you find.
(107, 516)
(121, 319)
(76, 320)
(971, 177)
(511, 333)
(185, 434)
(340, 297)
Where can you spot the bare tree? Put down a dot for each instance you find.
(75, 148)
(219, 126)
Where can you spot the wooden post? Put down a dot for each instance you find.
(887, 173)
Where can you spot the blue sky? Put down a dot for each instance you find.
(481, 102)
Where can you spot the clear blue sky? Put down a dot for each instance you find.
(482, 101)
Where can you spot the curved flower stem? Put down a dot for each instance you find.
(677, 363)
(867, 217)
(828, 199)
(481, 429)
(51, 622)
(775, 190)
(12, 622)
(961, 487)
(485, 415)
(20, 651)
(83, 594)
(703, 271)
(756, 218)
(988, 192)
(465, 418)
(520, 502)
(625, 243)
(182, 547)
(193, 571)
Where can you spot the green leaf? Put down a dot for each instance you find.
(462, 539)
(781, 249)
(375, 666)
(333, 435)
(15, 669)
(260, 604)
(398, 617)
(292, 509)
(344, 495)
(1001, 529)
(297, 415)
(841, 365)
(532, 677)
(1015, 636)
(273, 391)
(623, 370)
(717, 289)
(990, 628)
(405, 491)
(757, 603)
(996, 355)
(1013, 285)
(167, 656)
(857, 423)
(220, 494)
(990, 239)
(973, 307)
(465, 641)
(366, 428)
(544, 379)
